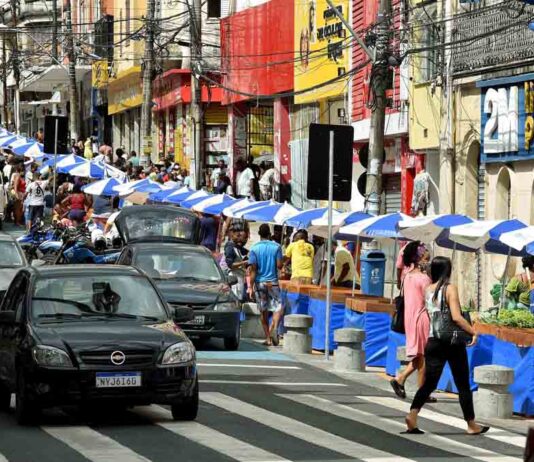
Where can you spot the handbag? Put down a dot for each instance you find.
(397, 322)
(445, 329)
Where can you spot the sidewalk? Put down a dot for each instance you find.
(376, 377)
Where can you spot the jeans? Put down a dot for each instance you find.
(437, 353)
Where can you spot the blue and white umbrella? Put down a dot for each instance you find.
(161, 196)
(236, 206)
(103, 187)
(31, 149)
(86, 170)
(379, 227)
(214, 205)
(129, 185)
(8, 140)
(240, 212)
(192, 201)
(304, 219)
(69, 161)
(178, 199)
(273, 213)
(486, 235)
(319, 226)
(521, 239)
(145, 188)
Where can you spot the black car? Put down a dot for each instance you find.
(161, 240)
(189, 275)
(12, 259)
(88, 334)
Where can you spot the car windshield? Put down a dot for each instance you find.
(178, 264)
(10, 255)
(84, 297)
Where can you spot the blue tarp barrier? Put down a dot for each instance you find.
(317, 310)
(521, 359)
(394, 341)
(376, 326)
(296, 303)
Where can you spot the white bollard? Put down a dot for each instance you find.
(349, 355)
(493, 400)
(297, 338)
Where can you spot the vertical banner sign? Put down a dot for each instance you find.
(172, 125)
(178, 145)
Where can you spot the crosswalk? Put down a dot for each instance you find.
(248, 427)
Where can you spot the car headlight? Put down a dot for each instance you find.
(49, 356)
(178, 353)
(225, 307)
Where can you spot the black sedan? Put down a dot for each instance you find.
(12, 259)
(188, 275)
(89, 334)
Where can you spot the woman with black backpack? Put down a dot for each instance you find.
(450, 334)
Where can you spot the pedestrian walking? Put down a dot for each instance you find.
(439, 351)
(208, 232)
(76, 203)
(18, 189)
(300, 252)
(244, 180)
(265, 259)
(35, 195)
(416, 320)
(235, 260)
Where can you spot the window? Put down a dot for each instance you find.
(427, 35)
(214, 8)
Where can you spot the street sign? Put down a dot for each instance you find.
(319, 140)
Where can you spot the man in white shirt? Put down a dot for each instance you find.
(221, 167)
(35, 194)
(244, 180)
(267, 184)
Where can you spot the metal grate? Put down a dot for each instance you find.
(392, 193)
(260, 129)
(136, 357)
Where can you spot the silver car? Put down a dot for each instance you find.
(12, 259)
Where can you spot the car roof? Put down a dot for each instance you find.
(167, 246)
(80, 270)
(7, 237)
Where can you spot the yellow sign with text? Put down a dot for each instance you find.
(323, 50)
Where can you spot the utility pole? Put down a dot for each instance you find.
(16, 68)
(74, 119)
(5, 115)
(379, 77)
(54, 30)
(195, 30)
(148, 74)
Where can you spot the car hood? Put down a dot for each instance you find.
(6, 276)
(195, 293)
(105, 335)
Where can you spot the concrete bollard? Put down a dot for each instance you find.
(493, 400)
(349, 355)
(297, 338)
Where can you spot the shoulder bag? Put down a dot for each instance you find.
(397, 322)
(445, 329)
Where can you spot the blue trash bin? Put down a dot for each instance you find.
(373, 269)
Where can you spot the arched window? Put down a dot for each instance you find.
(503, 196)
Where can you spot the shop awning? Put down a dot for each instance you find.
(51, 78)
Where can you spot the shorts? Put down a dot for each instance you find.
(36, 213)
(301, 280)
(268, 297)
(77, 215)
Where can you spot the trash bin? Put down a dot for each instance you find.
(373, 270)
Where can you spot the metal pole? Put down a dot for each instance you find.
(195, 30)
(74, 116)
(356, 258)
(148, 74)
(55, 167)
(373, 189)
(393, 282)
(501, 305)
(329, 247)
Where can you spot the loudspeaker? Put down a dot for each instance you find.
(319, 144)
(50, 135)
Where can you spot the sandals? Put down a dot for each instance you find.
(483, 430)
(413, 431)
(398, 389)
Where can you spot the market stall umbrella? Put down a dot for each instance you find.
(69, 161)
(142, 188)
(273, 213)
(86, 170)
(7, 140)
(129, 185)
(180, 198)
(521, 239)
(191, 201)
(218, 202)
(319, 226)
(237, 205)
(103, 187)
(304, 219)
(20, 141)
(161, 196)
(31, 149)
(240, 212)
(436, 229)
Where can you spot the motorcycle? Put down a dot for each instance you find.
(31, 241)
(75, 247)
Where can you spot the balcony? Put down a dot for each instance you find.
(493, 37)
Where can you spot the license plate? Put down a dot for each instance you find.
(197, 320)
(118, 379)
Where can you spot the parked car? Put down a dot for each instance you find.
(12, 259)
(84, 334)
(162, 241)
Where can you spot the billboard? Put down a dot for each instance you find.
(322, 46)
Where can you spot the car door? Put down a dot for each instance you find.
(11, 333)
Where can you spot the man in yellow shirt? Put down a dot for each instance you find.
(301, 253)
(344, 269)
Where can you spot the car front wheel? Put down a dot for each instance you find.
(232, 343)
(26, 410)
(188, 408)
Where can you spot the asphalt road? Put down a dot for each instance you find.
(257, 406)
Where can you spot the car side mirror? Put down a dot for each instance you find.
(183, 314)
(232, 279)
(7, 317)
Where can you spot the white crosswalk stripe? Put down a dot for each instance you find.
(206, 436)
(299, 429)
(93, 445)
(395, 427)
(404, 406)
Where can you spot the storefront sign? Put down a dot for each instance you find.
(125, 92)
(323, 51)
(507, 119)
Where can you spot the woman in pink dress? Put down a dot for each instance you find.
(416, 321)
